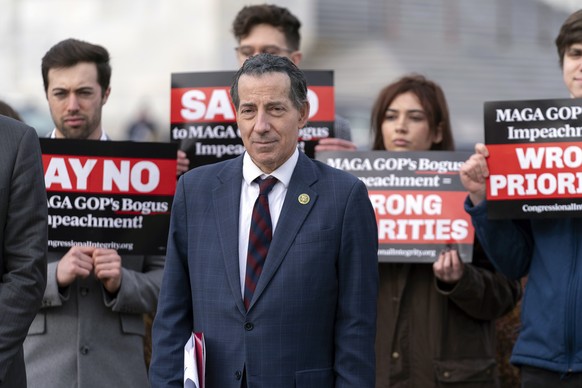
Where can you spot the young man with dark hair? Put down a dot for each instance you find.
(274, 30)
(549, 346)
(90, 329)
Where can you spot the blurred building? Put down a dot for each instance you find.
(477, 50)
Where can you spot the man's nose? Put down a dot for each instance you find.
(262, 122)
(72, 103)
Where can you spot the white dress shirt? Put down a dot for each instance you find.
(53, 135)
(248, 196)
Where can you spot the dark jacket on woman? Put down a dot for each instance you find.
(431, 334)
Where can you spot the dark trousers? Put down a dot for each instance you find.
(532, 377)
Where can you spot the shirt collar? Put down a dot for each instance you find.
(53, 135)
(283, 174)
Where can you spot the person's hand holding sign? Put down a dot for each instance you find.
(108, 268)
(77, 262)
(335, 144)
(449, 267)
(183, 163)
(474, 173)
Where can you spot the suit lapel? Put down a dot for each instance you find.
(293, 215)
(226, 202)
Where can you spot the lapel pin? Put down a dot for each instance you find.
(303, 199)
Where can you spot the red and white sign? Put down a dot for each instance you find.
(535, 158)
(418, 200)
(109, 194)
(203, 118)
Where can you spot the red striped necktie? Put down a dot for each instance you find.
(260, 236)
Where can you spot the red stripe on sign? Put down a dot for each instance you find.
(88, 174)
(201, 105)
(421, 217)
(322, 103)
(213, 105)
(534, 171)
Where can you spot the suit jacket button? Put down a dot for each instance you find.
(249, 326)
(84, 350)
(84, 291)
(238, 375)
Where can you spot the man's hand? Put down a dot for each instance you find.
(107, 265)
(335, 144)
(77, 262)
(474, 173)
(448, 268)
(183, 163)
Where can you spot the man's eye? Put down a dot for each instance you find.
(271, 50)
(246, 51)
(277, 110)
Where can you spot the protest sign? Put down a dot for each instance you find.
(535, 155)
(203, 120)
(418, 201)
(109, 194)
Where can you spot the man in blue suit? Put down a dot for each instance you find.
(311, 319)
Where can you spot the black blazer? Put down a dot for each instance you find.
(23, 243)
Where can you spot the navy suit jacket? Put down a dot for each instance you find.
(311, 322)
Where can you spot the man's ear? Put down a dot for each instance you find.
(296, 57)
(106, 96)
(304, 112)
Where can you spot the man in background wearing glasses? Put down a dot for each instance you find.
(274, 30)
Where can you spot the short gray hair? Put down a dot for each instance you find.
(266, 63)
